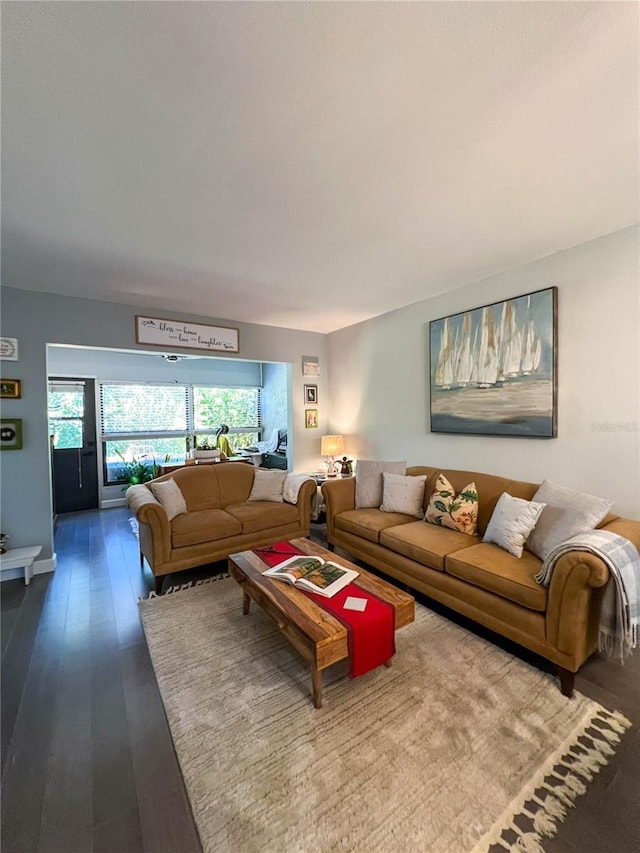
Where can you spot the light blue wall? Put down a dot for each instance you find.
(274, 398)
(379, 377)
(38, 319)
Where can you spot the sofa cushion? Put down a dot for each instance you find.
(402, 494)
(169, 495)
(567, 513)
(455, 511)
(261, 515)
(268, 486)
(206, 525)
(512, 521)
(369, 480)
(428, 544)
(367, 523)
(489, 567)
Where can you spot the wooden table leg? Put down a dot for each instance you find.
(316, 683)
(246, 603)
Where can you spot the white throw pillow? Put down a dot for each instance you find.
(168, 494)
(511, 522)
(403, 494)
(267, 485)
(567, 513)
(369, 480)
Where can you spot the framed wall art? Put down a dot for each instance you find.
(311, 395)
(177, 333)
(10, 433)
(310, 365)
(10, 388)
(9, 349)
(310, 418)
(493, 369)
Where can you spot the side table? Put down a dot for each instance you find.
(18, 558)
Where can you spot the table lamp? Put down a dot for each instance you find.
(330, 446)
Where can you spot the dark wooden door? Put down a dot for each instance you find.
(72, 423)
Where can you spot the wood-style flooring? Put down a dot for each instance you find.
(87, 758)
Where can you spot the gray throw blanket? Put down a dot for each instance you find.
(621, 604)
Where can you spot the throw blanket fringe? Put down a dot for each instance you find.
(620, 619)
(538, 810)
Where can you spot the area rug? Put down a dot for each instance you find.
(457, 747)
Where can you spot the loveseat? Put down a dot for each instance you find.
(479, 579)
(219, 515)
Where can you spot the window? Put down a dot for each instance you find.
(66, 414)
(154, 423)
(238, 408)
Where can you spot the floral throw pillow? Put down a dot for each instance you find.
(455, 511)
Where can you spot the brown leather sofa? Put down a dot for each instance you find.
(480, 580)
(220, 520)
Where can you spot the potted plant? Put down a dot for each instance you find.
(204, 450)
(135, 471)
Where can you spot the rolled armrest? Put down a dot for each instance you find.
(305, 500)
(627, 527)
(339, 496)
(148, 510)
(575, 597)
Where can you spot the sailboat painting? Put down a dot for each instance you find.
(494, 368)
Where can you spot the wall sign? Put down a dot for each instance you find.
(9, 349)
(185, 335)
(310, 365)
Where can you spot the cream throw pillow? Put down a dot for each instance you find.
(168, 494)
(566, 513)
(402, 494)
(267, 486)
(511, 522)
(457, 512)
(369, 480)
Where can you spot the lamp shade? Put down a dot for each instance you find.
(332, 445)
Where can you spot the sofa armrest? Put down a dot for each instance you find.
(574, 604)
(627, 527)
(305, 501)
(156, 546)
(339, 496)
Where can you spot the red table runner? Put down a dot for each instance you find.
(371, 632)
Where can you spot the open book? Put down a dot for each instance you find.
(313, 573)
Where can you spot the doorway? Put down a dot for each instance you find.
(72, 428)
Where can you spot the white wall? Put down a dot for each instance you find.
(39, 319)
(379, 377)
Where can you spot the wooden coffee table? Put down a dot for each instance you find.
(317, 635)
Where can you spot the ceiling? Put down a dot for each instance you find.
(309, 165)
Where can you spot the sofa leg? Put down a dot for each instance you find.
(158, 584)
(331, 546)
(566, 681)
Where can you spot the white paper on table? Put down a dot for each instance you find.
(352, 603)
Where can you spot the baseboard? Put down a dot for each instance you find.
(109, 504)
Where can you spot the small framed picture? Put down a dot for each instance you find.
(310, 418)
(311, 395)
(10, 388)
(10, 433)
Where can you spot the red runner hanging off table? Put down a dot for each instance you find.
(371, 632)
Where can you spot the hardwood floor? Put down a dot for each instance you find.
(87, 758)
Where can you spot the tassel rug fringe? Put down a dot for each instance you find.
(181, 587)
(536, 812)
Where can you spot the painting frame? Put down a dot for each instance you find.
(183, 334)
(10, 389)
(311, 395)
(10, 433)
(493, 370)
(310, 418)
